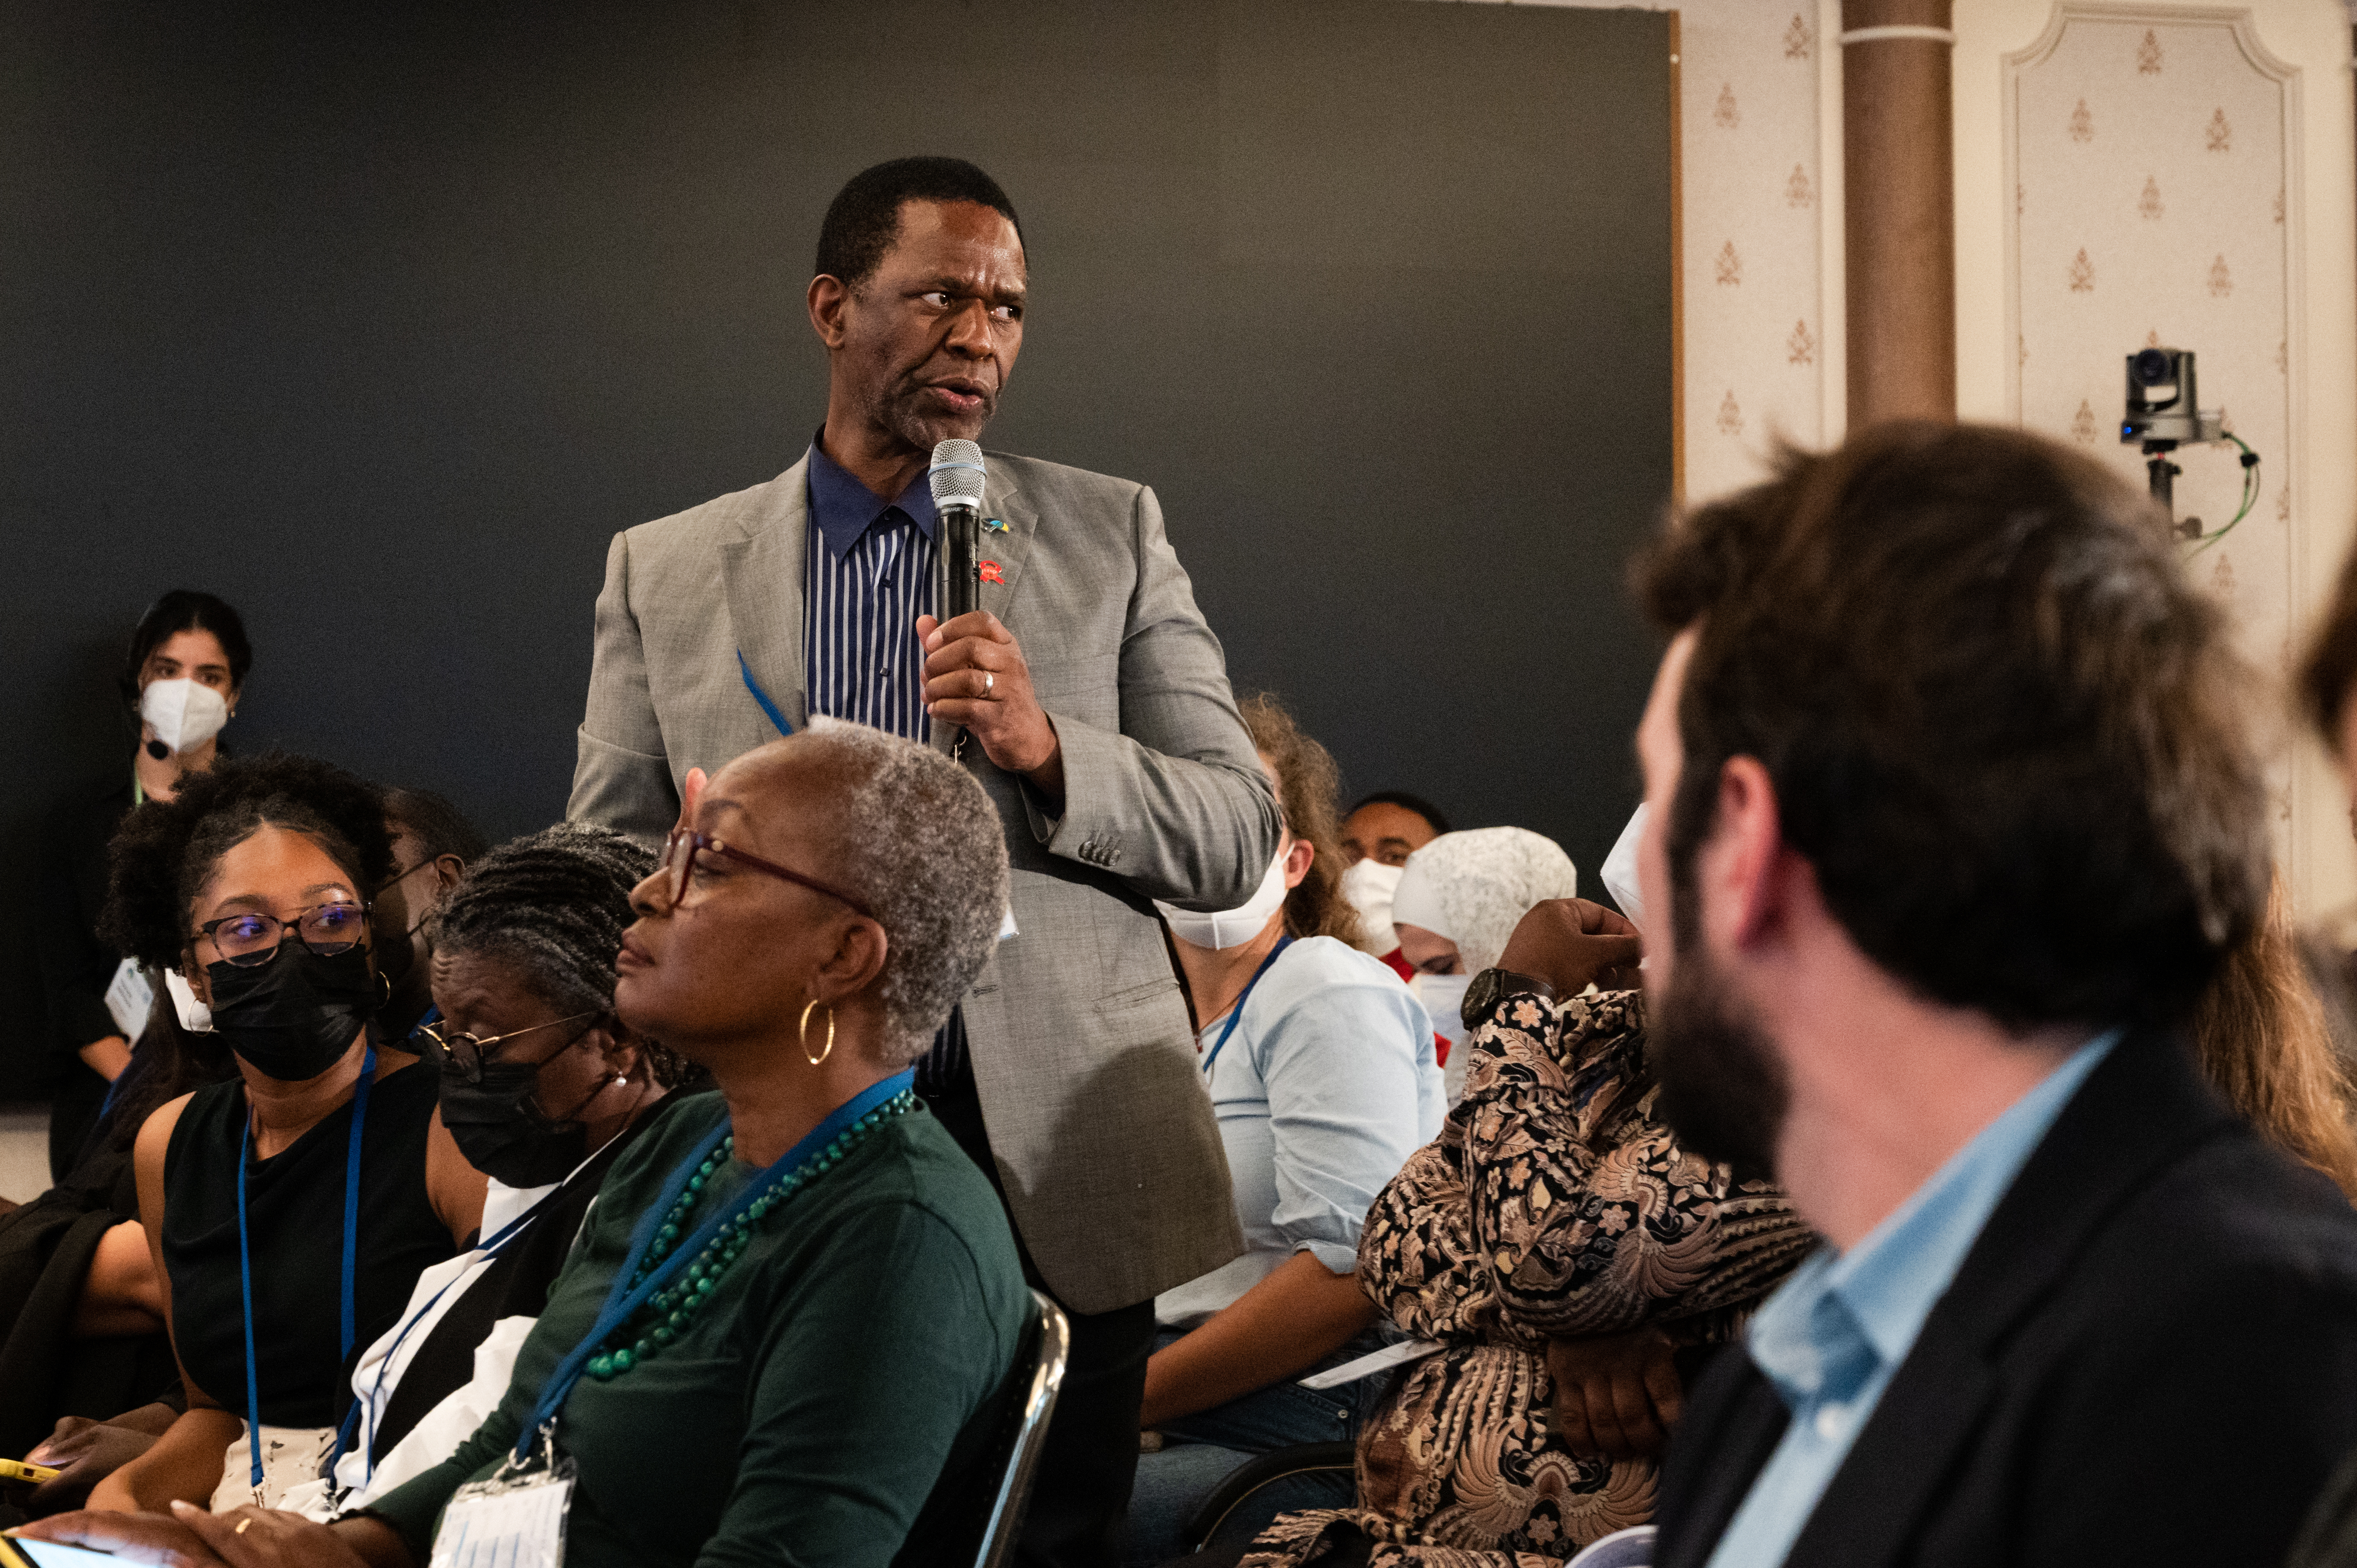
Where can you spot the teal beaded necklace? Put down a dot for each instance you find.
(667, 1314)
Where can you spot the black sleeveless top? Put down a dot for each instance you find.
(294, 1214)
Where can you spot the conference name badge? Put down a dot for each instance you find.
(515, 1520)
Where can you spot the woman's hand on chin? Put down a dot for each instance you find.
(192, 1538)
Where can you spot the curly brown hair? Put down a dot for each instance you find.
(1309, 792)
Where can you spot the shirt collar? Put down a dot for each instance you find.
(844, 508)
(1842, 1318)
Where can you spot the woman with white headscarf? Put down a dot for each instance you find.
(1457, 905)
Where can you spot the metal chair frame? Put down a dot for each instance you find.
(1052, 1345)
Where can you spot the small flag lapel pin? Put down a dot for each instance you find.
(993, 525)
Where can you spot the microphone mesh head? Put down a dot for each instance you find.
(956, 475)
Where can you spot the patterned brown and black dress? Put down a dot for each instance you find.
(1551, 1204)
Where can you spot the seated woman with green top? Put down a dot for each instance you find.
(790, 1332)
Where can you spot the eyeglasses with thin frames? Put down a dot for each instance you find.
(682, 847)
(455, 1049)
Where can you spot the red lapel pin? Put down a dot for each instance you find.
(988, 572)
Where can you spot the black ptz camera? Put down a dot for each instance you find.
(2162, 415)
(2161, 401)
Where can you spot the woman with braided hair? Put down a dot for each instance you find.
(542, 1087)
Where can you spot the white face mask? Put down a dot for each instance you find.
(195, 1017)
(1619, 871)
(1369, 886)
(183, 714)
(1231, 927)
(1443, 997)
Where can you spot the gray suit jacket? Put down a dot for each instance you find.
(1105, 1137)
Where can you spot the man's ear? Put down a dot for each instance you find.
(1742, 865)
(448, 870)
(828, 301)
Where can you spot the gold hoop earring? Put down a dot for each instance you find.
(803, 1035)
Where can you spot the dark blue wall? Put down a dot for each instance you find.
(379, 320)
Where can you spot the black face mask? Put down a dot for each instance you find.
(294, 1016)
(503, 1135)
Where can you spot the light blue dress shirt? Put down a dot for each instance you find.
(1324, 1090)
(1830, 1337)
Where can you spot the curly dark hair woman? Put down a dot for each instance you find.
(250, 890)
(164, 850)
(542, 1088)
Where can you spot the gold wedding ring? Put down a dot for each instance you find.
(241, 1525)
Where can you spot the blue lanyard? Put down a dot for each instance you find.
(621, 1301)
(769, 705)
(351, 1253)
(1235, 1015)
(490, 1251)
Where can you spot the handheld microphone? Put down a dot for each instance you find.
(956, 478)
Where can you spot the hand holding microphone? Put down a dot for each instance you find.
(974, 672)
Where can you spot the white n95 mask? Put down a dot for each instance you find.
(1231, 928)
(1619, 871)
(183, 714)
(1369, 885)
(195, 1017)
(1443, 997)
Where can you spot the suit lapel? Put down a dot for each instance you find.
(2141, 1110)
(1733, 1421)
(762, 565)
(1009, 547)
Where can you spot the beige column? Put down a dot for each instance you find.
(1898, 209)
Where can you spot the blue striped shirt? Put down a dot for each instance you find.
(868, 576)
(866, 579)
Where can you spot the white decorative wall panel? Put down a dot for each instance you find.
(1753, 193)
(2153, 153)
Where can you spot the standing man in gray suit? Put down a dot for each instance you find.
(1088, 696)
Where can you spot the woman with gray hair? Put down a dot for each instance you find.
(793, 1319)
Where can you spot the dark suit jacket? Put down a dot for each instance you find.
(2149, 1356)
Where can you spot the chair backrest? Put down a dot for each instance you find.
(1631, 1548)
(1051, 1343)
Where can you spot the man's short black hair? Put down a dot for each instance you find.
(863, 219)
(437, 824)
(1405, 802)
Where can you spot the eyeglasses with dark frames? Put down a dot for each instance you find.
(250, 941)
(456, 1050)
(682, 847)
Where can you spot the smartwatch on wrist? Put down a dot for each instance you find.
(1491, 985)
